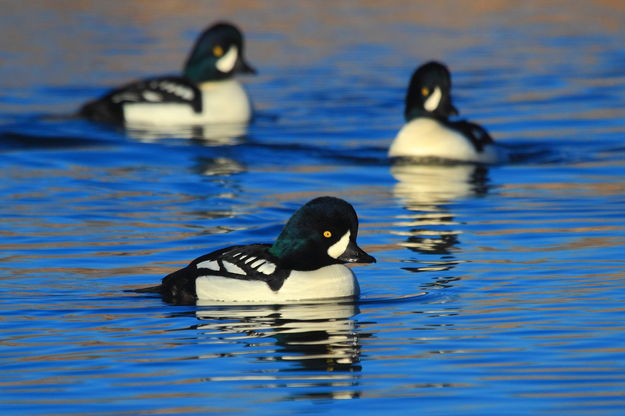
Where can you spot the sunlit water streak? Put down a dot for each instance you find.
(497, 290)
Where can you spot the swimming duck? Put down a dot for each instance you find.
(205, 93)
(306, 262)
(428, 132)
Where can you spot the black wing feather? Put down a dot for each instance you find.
(477, 134)
(169, 89)
(179, 286)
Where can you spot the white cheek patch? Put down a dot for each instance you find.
(433, 100)
(226, 62)
(338, 248)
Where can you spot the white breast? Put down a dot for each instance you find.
(223, 102)
(333, 281)
(428, 138)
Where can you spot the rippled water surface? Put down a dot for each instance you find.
(497, 290)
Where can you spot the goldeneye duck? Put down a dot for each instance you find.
(306, 262)
(428, 132)
(205, 93)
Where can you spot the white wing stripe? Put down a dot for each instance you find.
(233, 268)
(209, 264)
(267, 268)
(257, 263)
(177, 89)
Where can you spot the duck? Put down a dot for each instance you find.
(429, 134)
(205, 93)
(306, 262)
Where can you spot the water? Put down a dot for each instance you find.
(496, 291)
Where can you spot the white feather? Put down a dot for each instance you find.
(222, 102)
(228, 60)
(181, 91)
(433, 100)
(267, 268)
(233, 268)
(333, 281)
(208, 264)
(257, 263)
(130, 96)
(338, 248)
(152, 96)
(428, 138)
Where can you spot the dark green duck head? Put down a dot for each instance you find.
(217, 55)
(429, 93)
(320, 233)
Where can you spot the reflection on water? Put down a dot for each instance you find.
(224, 134)
(318, 337)
(219, 166)
(427, 186)
(521, 265)
(426, 191)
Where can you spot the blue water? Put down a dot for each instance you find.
(496, 291)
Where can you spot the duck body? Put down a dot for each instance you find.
(429, 134)
(251, 274)
(171, 101)
(205, 93)
(429, 138)
(306, 262)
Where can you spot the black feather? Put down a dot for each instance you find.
(478, 136)
(179, 286)
(168, 89)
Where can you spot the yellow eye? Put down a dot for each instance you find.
(218, 50)
(327, 234)
(425, 91)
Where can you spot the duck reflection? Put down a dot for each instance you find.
(224, 134)
(218, 166)
(433, 185)
(426, 190)
(209, 136)
(318, 337)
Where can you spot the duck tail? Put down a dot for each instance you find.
(151, 289)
